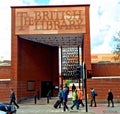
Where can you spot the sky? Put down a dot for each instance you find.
(104, 22)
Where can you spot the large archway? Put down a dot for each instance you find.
(37, 34)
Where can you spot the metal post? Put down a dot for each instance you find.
(35, 99)
(47, 99)
(38, 95)
(85, 86)
(79, 65)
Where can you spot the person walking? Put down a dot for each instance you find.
(12, 98)
(110, 98)
(80, 98)
(93, 95)
(65, 99)
(73, 87)
(67, 88)
(74, 99)
(60, 95)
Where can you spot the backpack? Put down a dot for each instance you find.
(96, 94)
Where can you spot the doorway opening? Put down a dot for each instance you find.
(46, 86)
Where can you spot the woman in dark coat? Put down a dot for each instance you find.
(110, 98)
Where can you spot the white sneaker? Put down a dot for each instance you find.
(67, 110)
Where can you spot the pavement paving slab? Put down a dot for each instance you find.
(46, 109)
(43, 108)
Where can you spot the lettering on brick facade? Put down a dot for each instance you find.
(50, 20)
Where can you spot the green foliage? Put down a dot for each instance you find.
(116, 49)
(68, 82)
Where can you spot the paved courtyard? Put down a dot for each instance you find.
(45, 109)
(48, 108)
(42, 107)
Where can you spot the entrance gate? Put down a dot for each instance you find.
(37, 32)
(71, 65)
(69, 62)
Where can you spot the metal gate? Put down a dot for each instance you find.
(70, 60)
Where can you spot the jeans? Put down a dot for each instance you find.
(75, 103)
(111, 102)
(93, 100)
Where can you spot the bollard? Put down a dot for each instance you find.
(38, 95)
(47, 99)
(35, 99)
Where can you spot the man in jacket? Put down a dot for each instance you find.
(60, 95)
(93, 95)
(110, 98)
(65, 99)
(80, 97)
(74, 99)
(12, 98)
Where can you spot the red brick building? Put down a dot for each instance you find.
(38, 32)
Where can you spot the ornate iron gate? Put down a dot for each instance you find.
(69, 62)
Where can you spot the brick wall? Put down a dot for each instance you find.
(106, 69)
(102, 86)
(37, 62)
(102, 81)
(5, 73)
